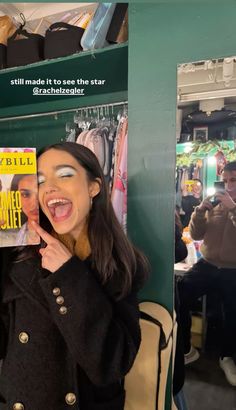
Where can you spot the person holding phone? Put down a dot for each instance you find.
(69, 315)
(214, 222)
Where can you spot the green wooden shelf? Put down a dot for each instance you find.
(109, 64)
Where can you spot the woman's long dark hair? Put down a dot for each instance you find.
(112, 252)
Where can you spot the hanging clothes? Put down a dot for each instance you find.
(96, 139)
(107, 139)
(119, 189)
(119, 192)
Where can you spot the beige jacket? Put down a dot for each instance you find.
(217, 228)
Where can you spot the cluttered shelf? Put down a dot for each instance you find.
(75, 72)
(92, 54)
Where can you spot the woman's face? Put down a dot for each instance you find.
(64, 191)
(29, 197)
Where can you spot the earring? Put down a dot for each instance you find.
(91, 202)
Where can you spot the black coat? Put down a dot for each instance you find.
(188, 204)
(181, 251)
(83, 342)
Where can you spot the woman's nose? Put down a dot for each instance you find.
(50, 188)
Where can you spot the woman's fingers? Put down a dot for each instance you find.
(43, 234)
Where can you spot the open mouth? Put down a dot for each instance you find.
(60, 209)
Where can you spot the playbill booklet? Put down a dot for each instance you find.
(18, 197)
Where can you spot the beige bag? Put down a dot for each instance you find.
(175, 328)
(7, 29)
(145, 384)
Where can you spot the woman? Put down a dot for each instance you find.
(27, 185)
(181, 250)
(190, 200)
(73, 310)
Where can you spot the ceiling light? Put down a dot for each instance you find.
(211, 160)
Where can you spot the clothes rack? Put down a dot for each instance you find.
(44, 114)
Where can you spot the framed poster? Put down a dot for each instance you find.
(200, 134)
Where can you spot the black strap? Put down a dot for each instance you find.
(163, 345)
(22, 16)
(23, 33)
(163, 341)
(61, 24)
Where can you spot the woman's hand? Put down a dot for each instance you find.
(55, 254)
(226, 200)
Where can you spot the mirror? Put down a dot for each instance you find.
(205, 216)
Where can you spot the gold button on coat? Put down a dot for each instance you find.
(56, 291)
(60, 300)
(23, 337)
(70, 399)
(63, 310)
(18, 406)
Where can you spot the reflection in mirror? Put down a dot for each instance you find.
(205, 241)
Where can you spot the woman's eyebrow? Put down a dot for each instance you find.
(57, 167)
(64, 166)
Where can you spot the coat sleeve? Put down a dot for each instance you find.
(3, 311)
(197, 225)
(103, 335)
(181, 251)
(232, 216)
(3, 332)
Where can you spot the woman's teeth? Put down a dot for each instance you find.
(57, 201)
(59, 208)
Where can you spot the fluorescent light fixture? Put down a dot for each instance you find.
(211, 160)
(207, 95)
(188, 148)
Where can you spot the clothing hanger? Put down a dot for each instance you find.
(44, 114)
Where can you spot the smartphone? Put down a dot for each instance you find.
(219, 188)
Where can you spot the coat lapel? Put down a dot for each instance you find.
(23, 282)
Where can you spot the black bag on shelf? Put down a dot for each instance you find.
(60, 43)
(24, 50)
(116, 22)
(3, 56)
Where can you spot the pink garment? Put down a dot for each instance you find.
(119, 191)
(122, 130)
(81, 137)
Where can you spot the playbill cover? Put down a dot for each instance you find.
(18, 197)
